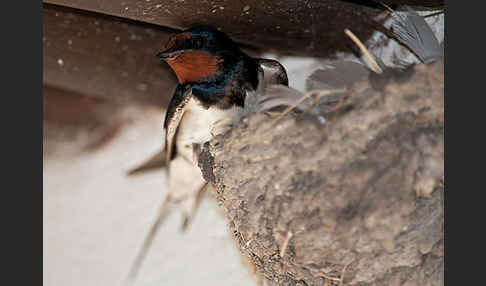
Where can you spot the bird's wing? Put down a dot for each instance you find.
(335, 75)
(173, 117)
(273, 72)
(412, 30)
(275, 90)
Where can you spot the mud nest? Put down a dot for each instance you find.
(357, 201)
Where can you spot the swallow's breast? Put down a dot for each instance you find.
(197, 125)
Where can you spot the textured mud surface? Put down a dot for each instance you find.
(357, 202)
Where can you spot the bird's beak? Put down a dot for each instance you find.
(166, 55)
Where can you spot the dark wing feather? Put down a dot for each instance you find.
(174, 113)
(412, 31)
(173, 117)
(276, 86)
(273, 72)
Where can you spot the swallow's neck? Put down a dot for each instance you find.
(229, 88)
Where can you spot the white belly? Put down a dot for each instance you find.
(197, 124)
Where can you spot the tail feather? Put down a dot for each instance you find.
(412, 30)
(157, 161)
(163, 213)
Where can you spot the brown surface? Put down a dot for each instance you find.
(76, 122)
(298, 27)
(362, 196)
(105, 57)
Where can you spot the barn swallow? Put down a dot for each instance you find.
(192, 55)
(214, 79)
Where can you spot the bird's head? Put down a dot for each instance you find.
(197, 54)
